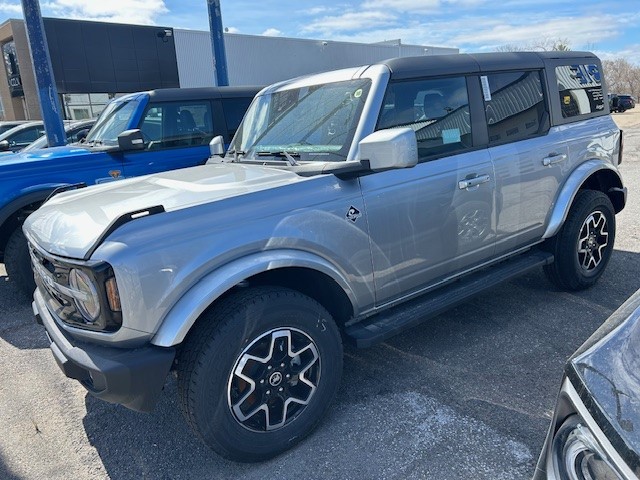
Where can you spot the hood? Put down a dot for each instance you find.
(53, 153)
(610, 371)
(72, 223)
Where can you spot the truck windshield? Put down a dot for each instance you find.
(112, 122)
(315, 122)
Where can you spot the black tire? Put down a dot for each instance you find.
(255, 323)
(18, 263)
(582, 248)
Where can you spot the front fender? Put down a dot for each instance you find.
(26, 197)
(177, 323)
(569, 190)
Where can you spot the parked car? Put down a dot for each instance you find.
(16, 138)
(136, 134)
(621, 103)
(75, 131)
(595, 431)
(344, 209)
(9, 124)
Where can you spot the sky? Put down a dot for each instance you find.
(611, 29)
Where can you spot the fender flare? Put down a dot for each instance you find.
(27, 197)
(569, 190)
(184, 313)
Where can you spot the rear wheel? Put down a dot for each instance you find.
(583, 246)
(18, 263)
(259, 371)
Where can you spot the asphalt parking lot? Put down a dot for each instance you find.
(468, 394)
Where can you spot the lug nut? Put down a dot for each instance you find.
(282, 365)
(280, 389)
(262, 380)
(288, 376)
(268, 392)
(269, 367)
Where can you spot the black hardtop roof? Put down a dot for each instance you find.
(459, 63)
(168, 94)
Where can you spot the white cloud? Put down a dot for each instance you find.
(417, 6)
(122, 11)
(232, 30)
(350, 21)
(10, 7)
(271, 32)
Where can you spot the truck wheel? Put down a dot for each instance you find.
(583, 246)
(18, 263)
(259, 371)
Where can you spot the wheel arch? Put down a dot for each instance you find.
(10, 213)
(301, 271)
(591, 175)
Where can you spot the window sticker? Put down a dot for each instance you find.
(451, 135)
(485, 88)
(357, 93)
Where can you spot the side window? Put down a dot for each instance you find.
(437, 110)
(515, 106)
(234, 109)
(580, 88)
(27, 136)
(171, 125)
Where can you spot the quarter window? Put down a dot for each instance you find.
(170, 125)
(580, 88)
(515, 106)
(437, 110)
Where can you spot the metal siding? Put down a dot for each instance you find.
(261, 60)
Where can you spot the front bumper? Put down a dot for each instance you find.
(132, 377)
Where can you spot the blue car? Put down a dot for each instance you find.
(136, 134)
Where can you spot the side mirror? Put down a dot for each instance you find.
(82, 134)
(216, 146)
(391, 148)
(131, 140)
(4, 145)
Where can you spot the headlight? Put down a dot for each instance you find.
(85, 295)
(578, 456)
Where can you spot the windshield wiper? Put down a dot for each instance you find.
(283, 153)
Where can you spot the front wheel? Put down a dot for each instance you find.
(18, 263)
(258, 372)
(583, 247)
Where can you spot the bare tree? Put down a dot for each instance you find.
(622, 77)
(545, 44)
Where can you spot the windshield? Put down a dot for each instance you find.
(112, 122)
(313, 122)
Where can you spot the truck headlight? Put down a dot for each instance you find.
(85, 295)
(578, 456)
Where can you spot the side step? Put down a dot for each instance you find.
(388, 323)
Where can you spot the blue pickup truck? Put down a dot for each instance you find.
(137, 134)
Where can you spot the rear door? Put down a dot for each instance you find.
(436, 219)
(176, 135)
(529, 157)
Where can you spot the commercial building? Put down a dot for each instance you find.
(95, 61)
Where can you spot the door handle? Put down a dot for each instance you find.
(553, 158)
(473, 182)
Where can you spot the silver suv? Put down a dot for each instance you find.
(351, 206)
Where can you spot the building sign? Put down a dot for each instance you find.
(13, 70)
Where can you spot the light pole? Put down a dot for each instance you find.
(217, 43)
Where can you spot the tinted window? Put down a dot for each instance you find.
(27, 135)
(437, 110)
(515, 106)
(169, 125)
(234, 109)
(580, 88)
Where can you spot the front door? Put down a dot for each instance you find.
(436, 219)
(176, 135)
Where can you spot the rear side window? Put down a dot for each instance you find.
(436, 109)
(27, 136)
(515, 106)
(234, 109)
(580, 88)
